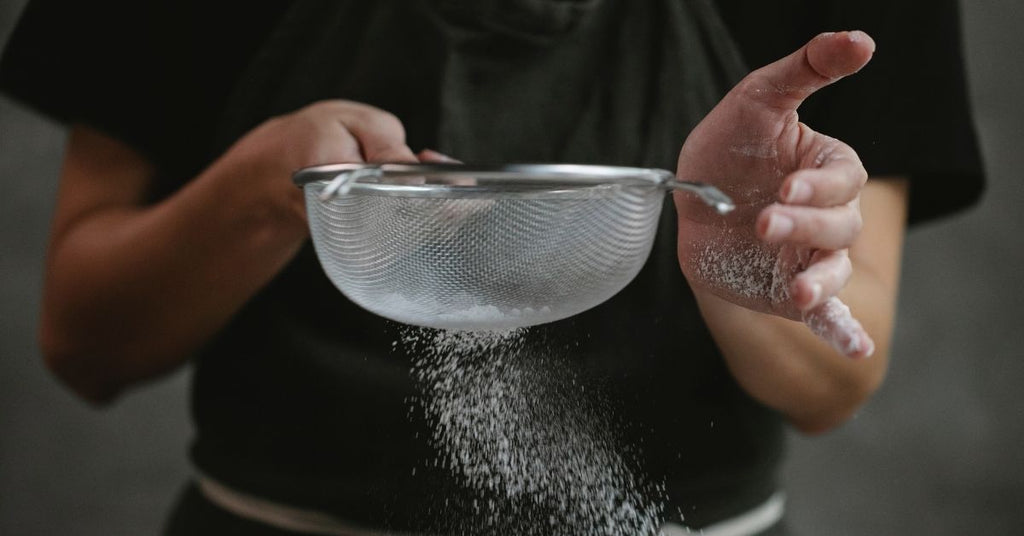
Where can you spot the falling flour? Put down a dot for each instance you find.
(522, 432)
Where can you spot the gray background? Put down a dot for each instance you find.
(938, 451)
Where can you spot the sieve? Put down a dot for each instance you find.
(485, 247)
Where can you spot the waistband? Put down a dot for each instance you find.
(749, 523)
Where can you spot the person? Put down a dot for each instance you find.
(179, 238)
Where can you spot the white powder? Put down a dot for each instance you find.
(753, 272)
(833, 322)
(425, 312)
(761, 274)
(522, 431)
(762, 149)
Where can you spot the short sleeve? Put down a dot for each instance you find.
(907, 113)
(154, 75)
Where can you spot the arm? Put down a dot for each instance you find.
(784, 365)
(132, 289)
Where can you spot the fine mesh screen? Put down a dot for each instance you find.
(491, 260)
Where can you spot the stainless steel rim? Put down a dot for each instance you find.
(570, 174)
(530, 180)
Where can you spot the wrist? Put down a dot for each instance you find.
(784, 366)
(256, 200)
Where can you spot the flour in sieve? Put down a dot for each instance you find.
(427, 312)
(526, 436)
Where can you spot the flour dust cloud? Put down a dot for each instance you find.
(513, 424)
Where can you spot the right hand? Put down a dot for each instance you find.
(133, 288)
(326, 132)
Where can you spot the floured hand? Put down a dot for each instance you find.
(784, 250)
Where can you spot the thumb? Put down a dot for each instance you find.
(833, 322)
(826, 58)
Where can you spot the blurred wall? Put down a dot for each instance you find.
(936, 452)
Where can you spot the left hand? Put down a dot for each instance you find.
(784, 250)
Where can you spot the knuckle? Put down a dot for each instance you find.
(828, 151)
(861, 174)
(819, 222)
(846, 265)
(857, 221)
(853, 222)
(385, 122)
(757, 86)
(318, 108)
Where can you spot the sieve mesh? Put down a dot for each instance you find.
(491, 260)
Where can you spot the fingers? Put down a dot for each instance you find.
(827, 274)
(432, 156)
(826, 58)
(379, 134)
(345, 149)
(820, 207)
(820, 228)
(833, 322)
(833, 176)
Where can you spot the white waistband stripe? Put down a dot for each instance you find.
(748, 523)
(313, 522)
(276, 514)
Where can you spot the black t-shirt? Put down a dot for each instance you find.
(301, 398)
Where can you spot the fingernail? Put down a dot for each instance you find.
(432, 155)
(869, 348)
(799, 192)
(857, 36)
(779, 227)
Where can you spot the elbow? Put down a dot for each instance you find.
(76, 367)
(839, 402)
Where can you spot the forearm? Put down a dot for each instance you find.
(130, 292)
(785, 366)
(132, 289)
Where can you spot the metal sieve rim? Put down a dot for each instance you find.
(499, 177)
(529, 180)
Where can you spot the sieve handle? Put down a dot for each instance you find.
(711, 196)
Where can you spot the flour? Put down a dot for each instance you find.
(761, 275)
(833, 322)
(471, 316)
(523, 433)
(752, 272)
(765, 149)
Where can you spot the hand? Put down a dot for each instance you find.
(784, 250)
(326, 132)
